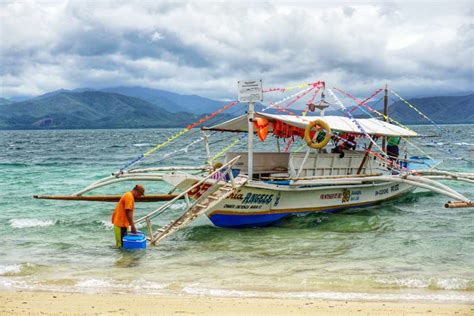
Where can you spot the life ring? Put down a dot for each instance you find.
(309, 139)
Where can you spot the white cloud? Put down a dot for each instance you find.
(205, 47)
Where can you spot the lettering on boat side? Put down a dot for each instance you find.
(395, 188)
(277, 200)
(252, 198)
(237, 195)
(355, 195)
(330, 196)
(199, 190)
(250, 201)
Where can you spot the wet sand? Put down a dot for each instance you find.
(41, 303)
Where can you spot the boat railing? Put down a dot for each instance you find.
(144, 174)
(224, 171)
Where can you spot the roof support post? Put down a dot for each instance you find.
(250, 116)
(208, 150)
(385, 117)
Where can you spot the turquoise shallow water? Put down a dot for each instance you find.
(411, 248)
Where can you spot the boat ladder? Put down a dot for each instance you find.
(215, 193)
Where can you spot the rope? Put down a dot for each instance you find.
(366, 100)
(288, 145)
(448, 133)
(227, 148)
(313, 97)
(179, 134)
(385, 116)
(295, 95)
(344, 110)
(299, 86)
(375, 154)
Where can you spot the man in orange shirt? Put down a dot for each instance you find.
(122, 217)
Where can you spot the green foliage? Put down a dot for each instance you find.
(89, 109)
(450, 110)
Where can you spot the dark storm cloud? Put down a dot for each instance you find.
(205, 47)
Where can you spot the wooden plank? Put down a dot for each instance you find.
(106, 198)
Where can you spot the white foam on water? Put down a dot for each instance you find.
(9, 284)
(98, 284)
(453, 284)
(407, 282)
(138, 286)
(141, 144)
(348, 296)
(10, 269)
(107, 224)
(442, 284)
(147, 287)
(30, 222)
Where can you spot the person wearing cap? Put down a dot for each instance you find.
(122, 218)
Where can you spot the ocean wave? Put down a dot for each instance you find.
(142, 144)
(432, 283)
(13, 164)
(454, 284)
(30, 222)
(99, 284)
(10, 269)
(107, 224)
(346, 296)
(17, 269)
(137, 286)
(464, 144)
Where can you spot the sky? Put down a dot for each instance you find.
(204, 48)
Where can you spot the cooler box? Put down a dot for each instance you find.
(134, 241)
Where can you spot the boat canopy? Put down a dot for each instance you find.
(371, 126)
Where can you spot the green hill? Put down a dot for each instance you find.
(442, 110)
(4, 101)
(88, 109)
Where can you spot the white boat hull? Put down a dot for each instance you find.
(260, 204)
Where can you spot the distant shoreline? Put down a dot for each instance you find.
(173, 127)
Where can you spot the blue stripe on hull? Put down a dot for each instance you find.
(241, 221)
(255, 220)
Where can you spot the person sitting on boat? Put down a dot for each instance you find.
(220, 174)
(392, 147)
(348, 143)
(122, 218)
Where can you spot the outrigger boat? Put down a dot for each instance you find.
(260, 188)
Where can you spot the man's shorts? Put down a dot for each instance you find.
(120, 232)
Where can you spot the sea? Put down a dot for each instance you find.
(408, 249)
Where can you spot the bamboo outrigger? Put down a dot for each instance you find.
(260, 188)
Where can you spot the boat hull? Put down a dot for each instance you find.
(254, 206)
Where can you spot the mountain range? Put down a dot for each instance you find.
(136, 107)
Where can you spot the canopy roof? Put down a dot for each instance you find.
(371, 126)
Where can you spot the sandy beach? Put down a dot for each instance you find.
(49, 303)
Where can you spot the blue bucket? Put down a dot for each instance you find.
(134, 241)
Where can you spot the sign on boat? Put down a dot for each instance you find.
(345, 162)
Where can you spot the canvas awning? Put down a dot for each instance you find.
(337, 123)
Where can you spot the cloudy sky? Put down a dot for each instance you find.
(202, 47)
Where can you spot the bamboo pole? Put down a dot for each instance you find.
(458, 204)
(107, 198)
